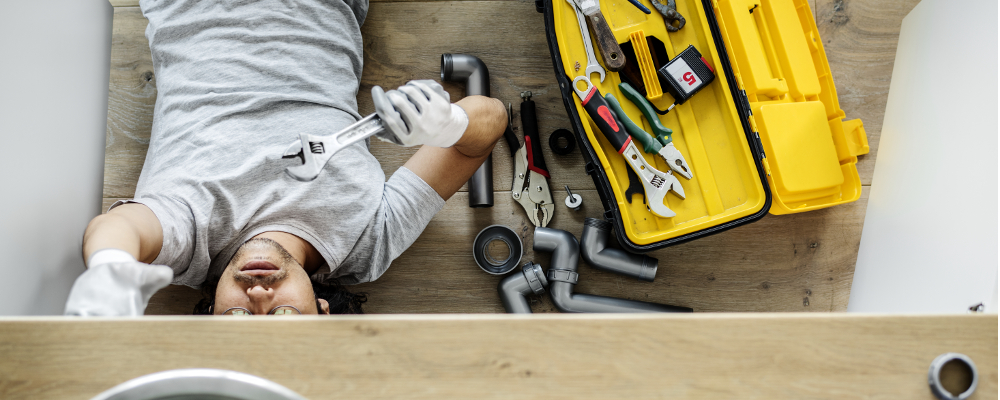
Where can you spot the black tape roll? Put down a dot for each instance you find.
(489, 235)
(554, 142)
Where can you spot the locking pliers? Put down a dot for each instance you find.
(530, 187)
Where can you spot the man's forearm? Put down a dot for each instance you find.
(447, 169)
(132, 228)
(487, 120)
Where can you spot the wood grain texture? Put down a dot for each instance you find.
(803, 262)
(394, 54)
(131, 97)
(860, 38)
(799, 262)
(837, 356)
(789, 263)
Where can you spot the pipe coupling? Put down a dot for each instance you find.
(535, 276)
(561, 275)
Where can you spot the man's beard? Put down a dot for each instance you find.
(242, 256)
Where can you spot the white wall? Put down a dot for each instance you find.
(929, 242)
(54, 62)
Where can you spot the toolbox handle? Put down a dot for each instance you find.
(599, 112)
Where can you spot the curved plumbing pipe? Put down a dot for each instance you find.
(515, 288)
(594, 252)
(562, 278)
(473, 72)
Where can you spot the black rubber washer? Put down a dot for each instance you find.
(554, 142)
(487, 236)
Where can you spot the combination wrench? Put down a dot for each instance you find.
(592, 64)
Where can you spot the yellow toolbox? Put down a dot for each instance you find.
(766, 135)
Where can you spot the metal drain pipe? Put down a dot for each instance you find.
(594, 252)
(562, 278)
(472, 71)
(515, 288)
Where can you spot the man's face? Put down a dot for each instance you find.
(262, 276)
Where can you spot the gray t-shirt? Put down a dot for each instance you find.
(237, 82)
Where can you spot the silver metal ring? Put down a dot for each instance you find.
(934, 376)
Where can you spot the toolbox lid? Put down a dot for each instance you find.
(767, 135)
(801, 149)
(810, 153)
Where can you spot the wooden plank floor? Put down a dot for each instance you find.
(707, 356)
(801, 262)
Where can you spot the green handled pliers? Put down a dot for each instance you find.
(663, 143)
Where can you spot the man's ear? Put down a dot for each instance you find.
(322, 306)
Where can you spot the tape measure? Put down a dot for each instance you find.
(686, 74)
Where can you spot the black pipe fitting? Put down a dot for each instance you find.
(472, 71)
(593, 248)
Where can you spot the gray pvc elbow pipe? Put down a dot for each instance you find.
(515, 288)
(593, 248)
(562, 279)
(473, 72)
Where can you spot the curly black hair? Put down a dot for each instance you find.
(341, 300)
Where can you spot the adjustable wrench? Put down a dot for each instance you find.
(315, 151)
(592, 64)
(656, 183)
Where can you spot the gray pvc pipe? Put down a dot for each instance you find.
(473, 72)
(562, 278)
(594, 252)
(515, 288)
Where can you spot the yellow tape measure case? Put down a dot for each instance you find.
(767, 135)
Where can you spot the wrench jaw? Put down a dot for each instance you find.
(672, 184)
(657, 196)
(595, 69)
(675, 160)
(656, 183)
(592, 65)
(314, 155)
(294, 150)
(656, 203)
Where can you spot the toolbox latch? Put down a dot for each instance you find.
(857, 140)
(590, 168)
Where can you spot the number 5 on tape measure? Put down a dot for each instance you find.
(686, 74)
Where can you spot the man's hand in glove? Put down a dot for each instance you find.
(420, 112)
(115, 284)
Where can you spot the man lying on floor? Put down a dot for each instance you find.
(238, 82)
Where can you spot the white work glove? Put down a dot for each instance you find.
(420, 112)
(116, 285)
